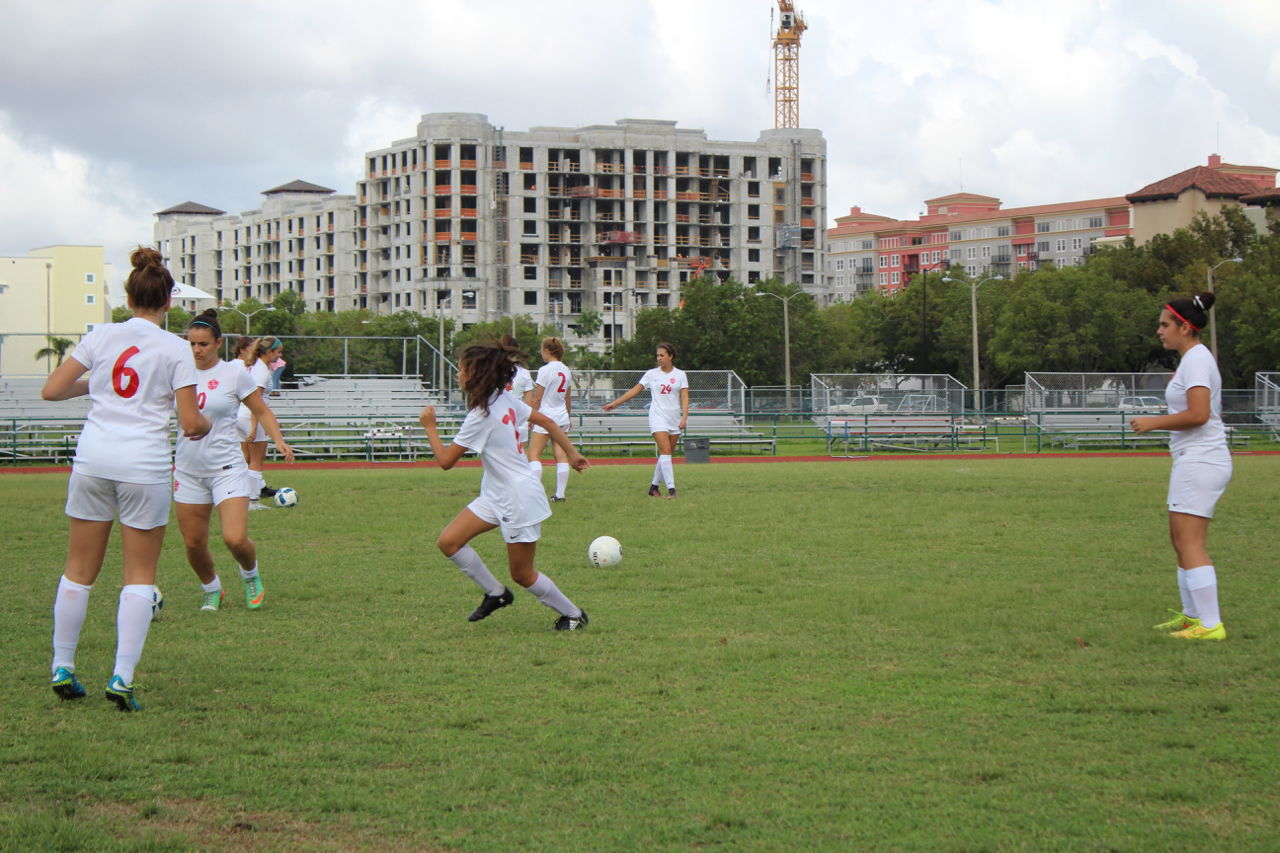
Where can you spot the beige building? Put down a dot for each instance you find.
(58, 290)
(1172, 203)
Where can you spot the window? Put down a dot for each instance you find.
(530, 228)
(867, 264)
(753, 211)
(884, 279)
(1043, 227)
(1002, 231)
(1062, 262)
(937, 257)
(955, 254)
(893, 262)
(753, 189)
(986, 252)
(90, 278)
(971, 253)
(1042, 246)
(753, 256)
(884, 262)
(530, 205)
(530, 273)
(1062, 244)
(840, 264)
(1020, 250)
(1077, 243)
(531, 297)
(90, 299)
(957, 235)
(1095, 221)
(971, 271)
(895, 278)
(867, 245)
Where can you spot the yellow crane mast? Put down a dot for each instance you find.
(786, 66)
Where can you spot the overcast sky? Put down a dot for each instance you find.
(111, 111)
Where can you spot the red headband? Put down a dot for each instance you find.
(1180, 317)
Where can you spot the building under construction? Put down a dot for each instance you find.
(478, 223)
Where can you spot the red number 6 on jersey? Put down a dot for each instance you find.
(120, 374)
(510, 419)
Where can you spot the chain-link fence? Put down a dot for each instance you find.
(355, 356)
(877, 393)
(1266, 395)
(18, 352)
(1047, 391)
(708, 390)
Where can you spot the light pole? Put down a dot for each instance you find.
(250, 314)
(973, 307)
(924, 310)
(48, 312)
(786, 334)
(1213, 321)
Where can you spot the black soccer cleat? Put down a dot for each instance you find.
(671, 493)
(556, 500)
(571, 623)
(491, 603)
(654, 492)
(268, 492)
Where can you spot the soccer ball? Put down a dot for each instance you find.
(157, 602)
(604, 552)
(286, 498)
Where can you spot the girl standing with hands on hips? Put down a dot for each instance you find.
(211, 472)
(510, 497)
(121, 468)
(1201, 464)
(668, 413)
(551, 397)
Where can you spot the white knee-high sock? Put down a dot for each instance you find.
(473, 567)
(549, 594)
(1188, 600)
(668, 472)
(562, 478)
(256, 482)
(69, 607)
(657, 471)
(132, 621)
(1203, 583)
(536, 468)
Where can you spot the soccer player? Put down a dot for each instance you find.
(551, 397)
(121, 468)
(211, 471)
(510, 497)
(256, 355)
(668, 413)
(522, 383)
(1201, 463)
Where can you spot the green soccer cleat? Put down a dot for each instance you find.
(213, 600)
(1199, 632)
(66, 686)
(253, 592)
(1179, 622)
(122, 695)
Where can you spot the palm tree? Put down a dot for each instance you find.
(57, 348)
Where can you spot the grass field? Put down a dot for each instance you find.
(926, 655)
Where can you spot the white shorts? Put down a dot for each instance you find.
(210, 490)
(486, 512)
(564, 425)
(140, 506)
(660, 423)
(242, 429)
(1197, 481)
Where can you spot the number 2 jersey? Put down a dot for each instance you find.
(508, 483)
(135, 368)
(219, 391)
(556, 381)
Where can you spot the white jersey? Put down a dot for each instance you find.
(513, 489)
(219, 391)
(1197, 369)
(521, 383)
(665, 388)
(261, 377)
(135, 368)
(557, 382)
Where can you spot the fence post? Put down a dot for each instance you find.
(345, 372)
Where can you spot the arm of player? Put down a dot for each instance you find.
(1195, 415)
(65, 382)
(609, 407)
(262, 414)
(194, 423)
(576, 460)
(447, 457)
(536, 403)
(684, 408)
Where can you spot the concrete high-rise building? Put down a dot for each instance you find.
(300, 240)
(477, 223)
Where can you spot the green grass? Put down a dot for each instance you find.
(932, 655)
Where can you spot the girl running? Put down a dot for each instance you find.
(551, 397)
(1201, 464)
(668, 415)
(510, 498)
(256, 354)
(211, 471)
(122, 468)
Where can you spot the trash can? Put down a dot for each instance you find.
(697, 451)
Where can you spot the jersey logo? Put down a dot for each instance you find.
(213, 384)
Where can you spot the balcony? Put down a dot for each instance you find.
(442, 189)
(468, 164)
(468, 189)
(444, 164)
(526, 166)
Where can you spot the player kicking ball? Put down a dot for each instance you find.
(511, 498)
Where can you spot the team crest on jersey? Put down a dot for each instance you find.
(213, 384)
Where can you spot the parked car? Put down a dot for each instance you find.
(860, 406)
(1150, 405)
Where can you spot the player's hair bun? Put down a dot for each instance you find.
(208, 318)
(1204, 301)
(149, 284)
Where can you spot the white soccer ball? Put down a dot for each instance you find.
(605, 551)
(286, 498)
(157, 602)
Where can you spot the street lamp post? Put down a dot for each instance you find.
(48, 312)
(924, 310)
(973, 308)
(786, 334)
(1213, 320)
(250, 314)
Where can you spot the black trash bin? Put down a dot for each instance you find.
(697, 451)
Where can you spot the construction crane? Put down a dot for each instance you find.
(786, 66)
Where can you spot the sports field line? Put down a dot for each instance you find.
(475, 463)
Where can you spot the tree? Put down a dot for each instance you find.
(120, 313)
(588, 325)
(57, 348)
